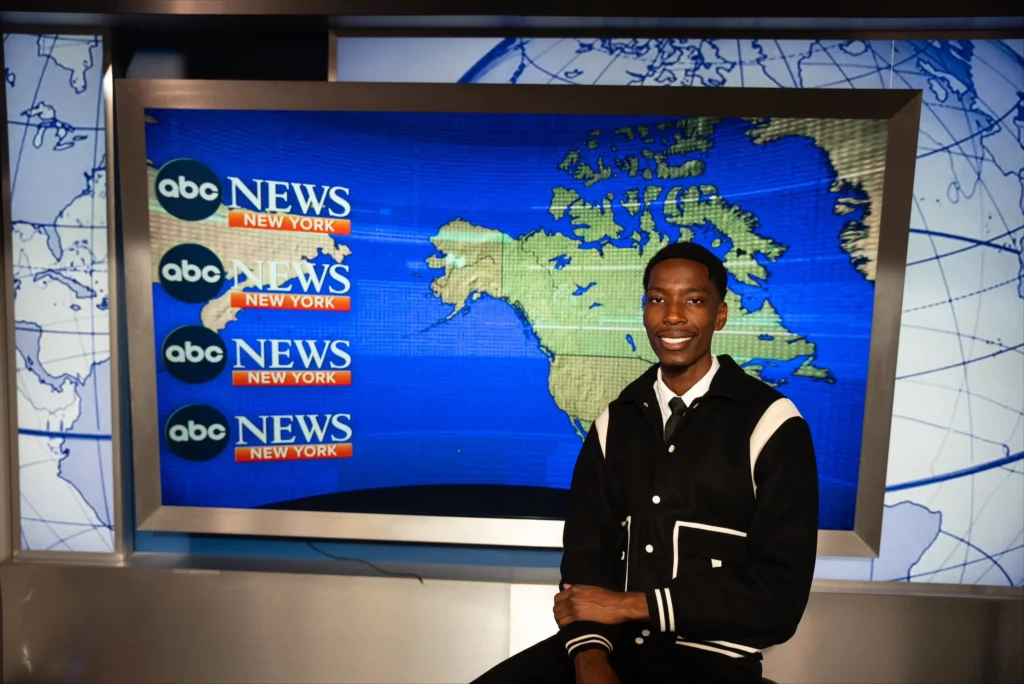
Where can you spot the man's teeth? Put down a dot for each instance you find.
(676, 340)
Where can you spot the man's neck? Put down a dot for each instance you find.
(680, 379)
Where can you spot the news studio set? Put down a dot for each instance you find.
(371, 342)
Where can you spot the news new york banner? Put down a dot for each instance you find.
(423, 313)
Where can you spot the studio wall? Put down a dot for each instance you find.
(955, 487)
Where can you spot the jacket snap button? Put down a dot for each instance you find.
(671, 448)
(649, 549)
(656, 499)
(639, 640)
(646, 632)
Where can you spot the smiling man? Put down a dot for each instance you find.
(692, 531)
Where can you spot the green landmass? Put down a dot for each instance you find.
(585, 336)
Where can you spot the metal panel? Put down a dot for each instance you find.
(901, 107)
(96, 624)
(496, 8)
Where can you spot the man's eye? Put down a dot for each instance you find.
(654, 300)
(696, 300)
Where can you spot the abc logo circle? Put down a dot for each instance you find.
(191, 273)
(194, 354)
(188, 190)
(196, 432)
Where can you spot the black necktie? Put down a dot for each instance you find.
(678, 407)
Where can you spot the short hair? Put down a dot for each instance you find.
(690, 251)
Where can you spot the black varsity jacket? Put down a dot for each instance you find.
(719, 528)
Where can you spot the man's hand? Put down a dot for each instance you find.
(592, 667)
(594, 604)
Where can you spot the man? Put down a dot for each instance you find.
(692, 527)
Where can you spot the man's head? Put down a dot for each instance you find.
(684, 303)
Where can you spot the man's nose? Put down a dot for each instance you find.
(675, 313)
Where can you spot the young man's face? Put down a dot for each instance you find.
(681, 312)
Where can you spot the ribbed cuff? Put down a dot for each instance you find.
(661, 610)
(587, 642)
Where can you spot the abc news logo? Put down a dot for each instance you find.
(191, 273)
(197, 432)
(188, 190)
(194, 354)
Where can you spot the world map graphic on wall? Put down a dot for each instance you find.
(58, 172)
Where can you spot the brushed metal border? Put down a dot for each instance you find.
(119, 529)
(133, 96)
(123, 536)
(497, 8)
(332, 56)
(891, 266)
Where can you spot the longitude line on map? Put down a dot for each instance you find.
(957, 143)
(974, 516)
(959, 365)
(931, 239)
(60, 332)
(29, 432)
(880, 64)
(997, 72)
(838, 68)
(954, 474)
(851, 79)
(92, 314)
(931, 573)
(65, 540)
(785, 61)
(24, 135)
(977, 548)
(68, 524)
(963, 238)
(561, 70)
(1007, 477)
(984, 574)
(973, 338)
(13, 183)
(1017, 411)
(739, 60)
(51, 123)
(606, 68)
(892, 59)
(26, 546)
(962, 433)
(966, 295)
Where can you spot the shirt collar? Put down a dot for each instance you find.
(700, 388)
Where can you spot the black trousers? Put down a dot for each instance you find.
(547, 663)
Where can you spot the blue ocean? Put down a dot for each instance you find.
(466, 400)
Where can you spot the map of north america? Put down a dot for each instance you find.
(578, 288)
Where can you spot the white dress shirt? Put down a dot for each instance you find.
(665, 395)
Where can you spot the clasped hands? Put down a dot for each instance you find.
(594, 604)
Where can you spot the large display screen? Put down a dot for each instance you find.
(422, 313)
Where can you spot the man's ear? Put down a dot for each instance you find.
(722, 317)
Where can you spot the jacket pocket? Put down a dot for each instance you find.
(697, 546)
